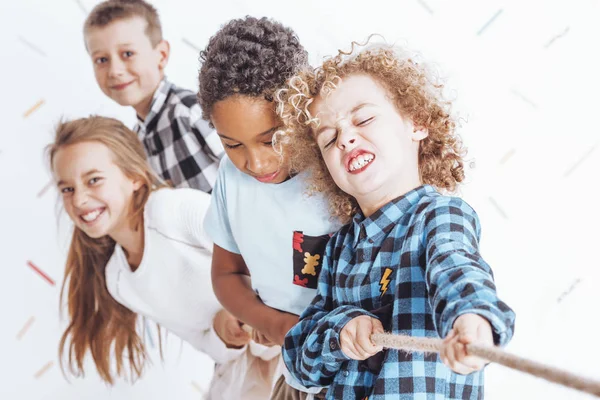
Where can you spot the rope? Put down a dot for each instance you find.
(492, 354)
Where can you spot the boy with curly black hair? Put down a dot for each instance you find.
(269, 237)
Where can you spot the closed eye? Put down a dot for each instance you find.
(332, 141)
(365, 122)
(232, 146)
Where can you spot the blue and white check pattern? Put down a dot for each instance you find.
(429, 243)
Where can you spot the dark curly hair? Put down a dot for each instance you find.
(248, 56)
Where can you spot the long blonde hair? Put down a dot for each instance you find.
(97, 321)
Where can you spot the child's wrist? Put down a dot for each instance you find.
(265, 318)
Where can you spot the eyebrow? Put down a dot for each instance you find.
(90, 172)
(267, 132)
(119, 45)
(354, 109)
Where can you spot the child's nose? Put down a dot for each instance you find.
(347, 138)
(117, 67)
(80, 198)
(256, 163)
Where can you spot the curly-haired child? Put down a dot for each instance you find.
(375, 132)
(269, 237)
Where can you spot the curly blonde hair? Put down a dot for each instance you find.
(413, 88)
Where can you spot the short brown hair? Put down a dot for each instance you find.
(412, 87)
(110, 11)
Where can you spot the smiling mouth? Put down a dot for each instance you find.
(92, 216)
(359, 163)
(122, 86)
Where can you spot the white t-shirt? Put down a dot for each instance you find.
(172, 285)
(279, 231)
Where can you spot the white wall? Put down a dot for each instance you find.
(526, 83)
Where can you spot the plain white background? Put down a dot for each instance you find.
(525, 78)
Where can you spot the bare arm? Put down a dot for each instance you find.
(231, 283)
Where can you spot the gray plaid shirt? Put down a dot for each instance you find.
(181, 147)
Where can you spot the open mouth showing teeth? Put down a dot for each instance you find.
(92, 215)
(360, 162)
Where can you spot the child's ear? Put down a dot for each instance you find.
(420, 133)
(164, 50)
(137, 184)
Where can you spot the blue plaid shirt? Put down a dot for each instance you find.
(415, 265)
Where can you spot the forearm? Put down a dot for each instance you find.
(235, 293)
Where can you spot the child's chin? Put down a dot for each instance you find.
(125, 102)
(94, 233)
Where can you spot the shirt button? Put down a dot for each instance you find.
(371, 241)
(346, 373)
(333, 344)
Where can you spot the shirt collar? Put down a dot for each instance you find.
(382, 221)
(158, 101)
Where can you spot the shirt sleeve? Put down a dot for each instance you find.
(211, 344)
(311, 350)
(459, 281)
(217, 223)
(179, 214)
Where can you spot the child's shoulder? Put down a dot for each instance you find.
(164, 202)
(452, 204)
(440, 208)
(184, 98)
(433, 198)
(180, 101)
(170, 194)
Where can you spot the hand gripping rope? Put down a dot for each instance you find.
(492, 354)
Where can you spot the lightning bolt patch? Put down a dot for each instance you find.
(385, 281)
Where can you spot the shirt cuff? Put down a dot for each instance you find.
(217, 349)
(343, 315)
(500, 327)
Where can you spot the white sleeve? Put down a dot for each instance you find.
(179, 214)
(211, 344)
(217, 219)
